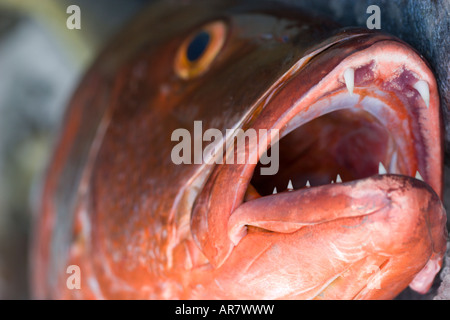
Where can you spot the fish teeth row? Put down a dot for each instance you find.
(290, 186)
(382, 170)
(421, 86)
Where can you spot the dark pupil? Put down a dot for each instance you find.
(197, 46)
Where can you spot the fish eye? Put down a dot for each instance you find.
(197, 46)
(199, 50)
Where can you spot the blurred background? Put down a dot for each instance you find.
(41, 62)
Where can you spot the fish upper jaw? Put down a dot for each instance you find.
(387, 87)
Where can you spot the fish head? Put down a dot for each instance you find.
(148, 194)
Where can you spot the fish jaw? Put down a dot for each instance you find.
(379, 75)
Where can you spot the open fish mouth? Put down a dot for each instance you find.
(360, 136)
(351, 122)
(375, 120)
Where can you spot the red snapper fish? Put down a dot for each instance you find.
(351, 210)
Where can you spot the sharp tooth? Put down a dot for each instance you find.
(332, 181)
(349, 77)
(381, 169)
(290, 187)
(307, 184)
(274, 190)
(418, 176)
(422, 87)
(338, 179)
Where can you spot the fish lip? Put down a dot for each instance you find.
(301, 90)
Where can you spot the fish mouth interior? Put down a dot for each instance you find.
(348, 142)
